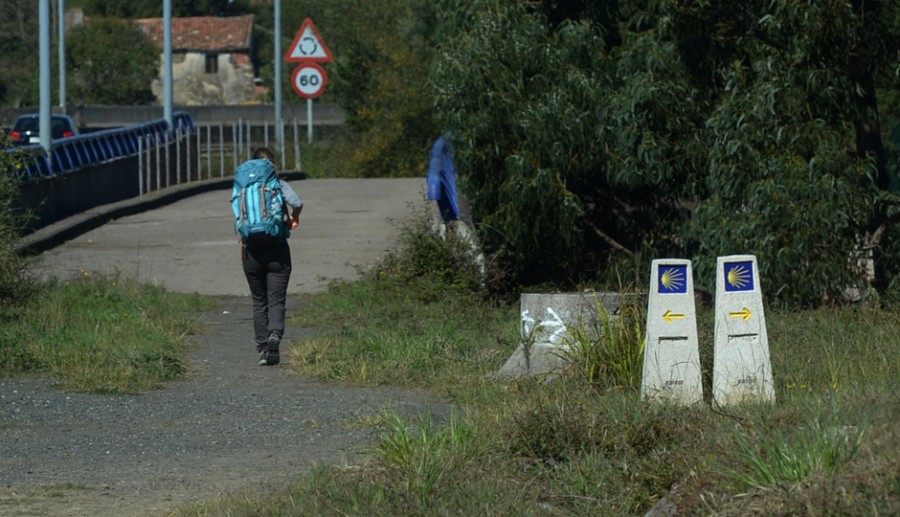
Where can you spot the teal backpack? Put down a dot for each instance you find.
(258, 204)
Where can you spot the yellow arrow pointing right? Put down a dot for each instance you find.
(745, 314)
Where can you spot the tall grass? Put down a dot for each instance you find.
(609, 350)
(585, 444)
(425, 454)
(779, 458)
(99, 333)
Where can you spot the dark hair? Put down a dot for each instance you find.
(263, 152)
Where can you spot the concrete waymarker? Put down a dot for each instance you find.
(671, 371)
(741, 367)
(545, 322)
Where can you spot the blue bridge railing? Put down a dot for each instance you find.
(73, 153)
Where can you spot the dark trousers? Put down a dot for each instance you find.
(268, 270)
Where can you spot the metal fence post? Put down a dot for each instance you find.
(149, 164)
(187, 157)
(209, 152)
(199, 154)
(221, 151)
(296, 147)
(140, 143)
(240, 141)
(178, 135)
(282, 148)
(158, 164)
(234, 145)
(168, 174)
(249, 140)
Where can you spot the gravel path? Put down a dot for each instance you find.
(230, 426)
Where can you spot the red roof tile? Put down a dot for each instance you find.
(203, 33)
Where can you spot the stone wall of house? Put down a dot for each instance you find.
(192, 86)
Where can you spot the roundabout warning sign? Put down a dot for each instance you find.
(308, 46)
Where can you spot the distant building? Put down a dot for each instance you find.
(213, 60)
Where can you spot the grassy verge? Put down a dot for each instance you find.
(585, 444)
(376, 333)
(98, 334)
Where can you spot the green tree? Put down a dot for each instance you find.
(564, 137)
(18, 59)
(796, 166)
(586, 135)
(382, 51)
(379, 79)
(111, 62)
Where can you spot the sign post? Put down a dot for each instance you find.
(309, 79)
(671, 372)
(741, 367)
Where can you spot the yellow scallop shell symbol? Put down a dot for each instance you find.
(739, 277)
(672, 279)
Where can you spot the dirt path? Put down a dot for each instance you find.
(231, 426)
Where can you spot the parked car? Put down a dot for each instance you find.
(27, 129)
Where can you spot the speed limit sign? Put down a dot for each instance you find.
(309, 80)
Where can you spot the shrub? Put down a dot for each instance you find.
(15, 285)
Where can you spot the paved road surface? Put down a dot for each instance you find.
(190, 245)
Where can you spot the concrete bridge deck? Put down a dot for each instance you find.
(188, 244)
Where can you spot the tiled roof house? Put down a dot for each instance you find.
(213, 59)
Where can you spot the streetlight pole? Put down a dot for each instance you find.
(167, 63)
(279, 119)
(44, 87)
(61, 20)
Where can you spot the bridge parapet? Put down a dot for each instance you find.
(73, 153)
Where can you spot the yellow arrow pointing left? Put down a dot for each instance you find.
(744, 314)
(669, 316)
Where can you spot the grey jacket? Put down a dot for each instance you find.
(290, 197)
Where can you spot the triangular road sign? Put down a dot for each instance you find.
(308, 46)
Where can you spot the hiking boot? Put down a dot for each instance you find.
(272, 355)
(262, 357)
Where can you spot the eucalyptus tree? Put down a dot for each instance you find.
(592, 135)
(573, 139)
(797, 171)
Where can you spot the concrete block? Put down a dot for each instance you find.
(537, 359)
(545, 322)
(545, 318)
